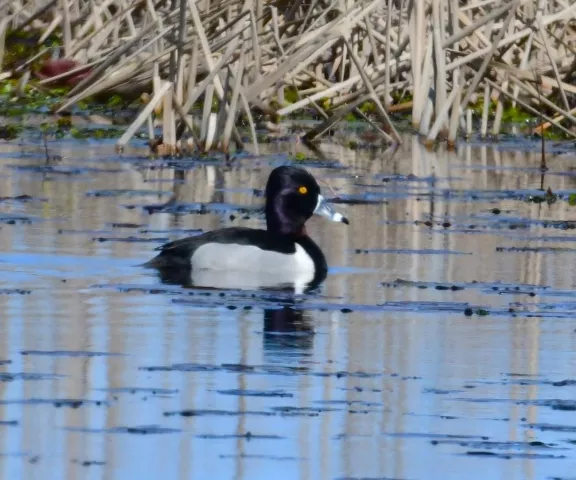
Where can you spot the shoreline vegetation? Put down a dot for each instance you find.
(449, 69)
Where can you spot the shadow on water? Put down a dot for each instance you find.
(443, 332)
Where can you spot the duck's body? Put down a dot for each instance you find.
(283, 251)
(236, 248)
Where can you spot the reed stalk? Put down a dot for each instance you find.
(484, 127)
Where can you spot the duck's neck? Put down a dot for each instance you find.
(315, 253)
(292, 231)
(281, 224)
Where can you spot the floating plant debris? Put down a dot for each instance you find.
(552, 428)
(21, 198)
(494, 445)
(64, 170)
(9, 423)
(511, 455)
(126, 225)
(302, 411)
(10, 377)
(68, 353)
(553, 403)
(15, 291)
(436, 436)
(58, 402)
(140, 430)
(89, 463)
(366, 199)
(424, 251)
(275, 458)
(439, 391)
(283, 370)
(14, 218)
(536, 249)
(256, 393)
(125, 193)
(218, 413)
(233, 436)
(486, 287)
(132, 239)
(137, 390)
(67, 231)
(199, 208)
(173, 231)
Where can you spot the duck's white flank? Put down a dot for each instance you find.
(220, 256)
(229, 279)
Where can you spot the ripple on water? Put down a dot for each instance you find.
(444, 328)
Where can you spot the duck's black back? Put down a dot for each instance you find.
(179, 252)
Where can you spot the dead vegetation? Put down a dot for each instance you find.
(239, 58)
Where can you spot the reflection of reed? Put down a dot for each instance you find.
(446, 351)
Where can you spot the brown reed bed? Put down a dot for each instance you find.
(437, 59)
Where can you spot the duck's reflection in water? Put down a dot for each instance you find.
(288, 334)
(287, 328)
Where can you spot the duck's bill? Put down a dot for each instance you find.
(325, 210)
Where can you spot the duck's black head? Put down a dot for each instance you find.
(292, 197)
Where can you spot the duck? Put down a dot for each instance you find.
(241, 256)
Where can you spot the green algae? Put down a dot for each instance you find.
(22, 45)
(10, 132)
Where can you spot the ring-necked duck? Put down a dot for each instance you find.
(283, 253)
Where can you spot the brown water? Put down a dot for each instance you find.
(369, 378)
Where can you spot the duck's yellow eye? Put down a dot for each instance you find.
(303, 190)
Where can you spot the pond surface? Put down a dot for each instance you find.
(441, 346)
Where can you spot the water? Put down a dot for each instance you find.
(403, 366)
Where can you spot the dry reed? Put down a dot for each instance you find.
(330, 57)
